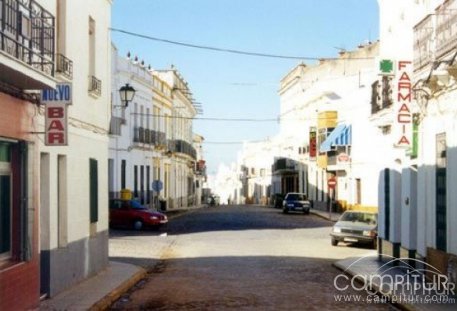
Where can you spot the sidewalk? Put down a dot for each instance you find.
(326, 215)
(382, 275)
(101, 290)
(98, 292)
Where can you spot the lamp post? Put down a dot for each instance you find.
(127, 93)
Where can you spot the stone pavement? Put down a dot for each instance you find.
(101, 290)
(383, 275)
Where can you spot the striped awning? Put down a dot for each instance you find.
(340, 136)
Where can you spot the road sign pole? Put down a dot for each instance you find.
(330, 206)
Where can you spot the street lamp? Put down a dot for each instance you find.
(127, 93)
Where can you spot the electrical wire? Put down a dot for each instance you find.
(232, 119)
(207, 118)
(225, 50)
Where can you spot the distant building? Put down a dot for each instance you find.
(152, 151)
(325, 131)
(137, 132)
(254, 162)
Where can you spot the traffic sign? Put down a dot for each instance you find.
(157, 185)
(331, 183)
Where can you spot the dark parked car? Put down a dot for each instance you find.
(130, 213)
(294, 202)
(356, 227)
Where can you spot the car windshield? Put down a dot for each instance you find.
(359, 217)
(136, 205)
(296, 197)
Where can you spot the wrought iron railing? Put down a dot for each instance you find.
(95, 86)
(283, 164)
(423, 39)
(64, 66)
(27, 33)
(181, 146)
(446, 27)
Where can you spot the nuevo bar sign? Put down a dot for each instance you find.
(56, 124)
(61, 94)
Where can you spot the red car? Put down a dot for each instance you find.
(130, 213)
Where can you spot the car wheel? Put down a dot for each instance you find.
(334, 242)
(137, 225)
(285, 210)
(306, 212)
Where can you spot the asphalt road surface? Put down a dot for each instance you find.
(237, 258)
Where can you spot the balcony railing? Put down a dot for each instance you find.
(423, 39)
(446, 27)
(158, 138)
(95, 86)
(181, 146)
(64, 66)
(283, 164)
(27, 33)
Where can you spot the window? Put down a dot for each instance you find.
(387, 90)
(135, 181)
(148, 184)
(386, 203)
(93, 191)
(441, 212)
(5, 199)
(142, 183)
(91, 47)
(322, 135)
(123, 168)
(16, 225)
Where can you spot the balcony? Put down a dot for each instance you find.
(95, 86)
(283, 164)
(158, 138)
(27, 40)
(446, 27)
(64, 66)
(181, 146)
(423, 39)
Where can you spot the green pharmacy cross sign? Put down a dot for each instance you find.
(386, 66)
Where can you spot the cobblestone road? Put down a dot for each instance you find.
(237, 258)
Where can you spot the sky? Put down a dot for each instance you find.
(239, 86)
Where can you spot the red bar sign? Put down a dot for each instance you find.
(56, 124)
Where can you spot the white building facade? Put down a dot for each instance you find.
(152, 149)
(73, 176)
(325, 132)
(417, 220)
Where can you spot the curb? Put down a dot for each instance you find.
(353, 273)
(110, 298)
(321, 216)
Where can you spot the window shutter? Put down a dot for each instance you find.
(93, 166)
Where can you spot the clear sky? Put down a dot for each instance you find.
(239, 86)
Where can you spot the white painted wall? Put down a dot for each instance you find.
(88, 120)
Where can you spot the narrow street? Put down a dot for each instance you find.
(235, 257)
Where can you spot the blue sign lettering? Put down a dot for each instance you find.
(62, 94)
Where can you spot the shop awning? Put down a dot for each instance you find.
(340, 136)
